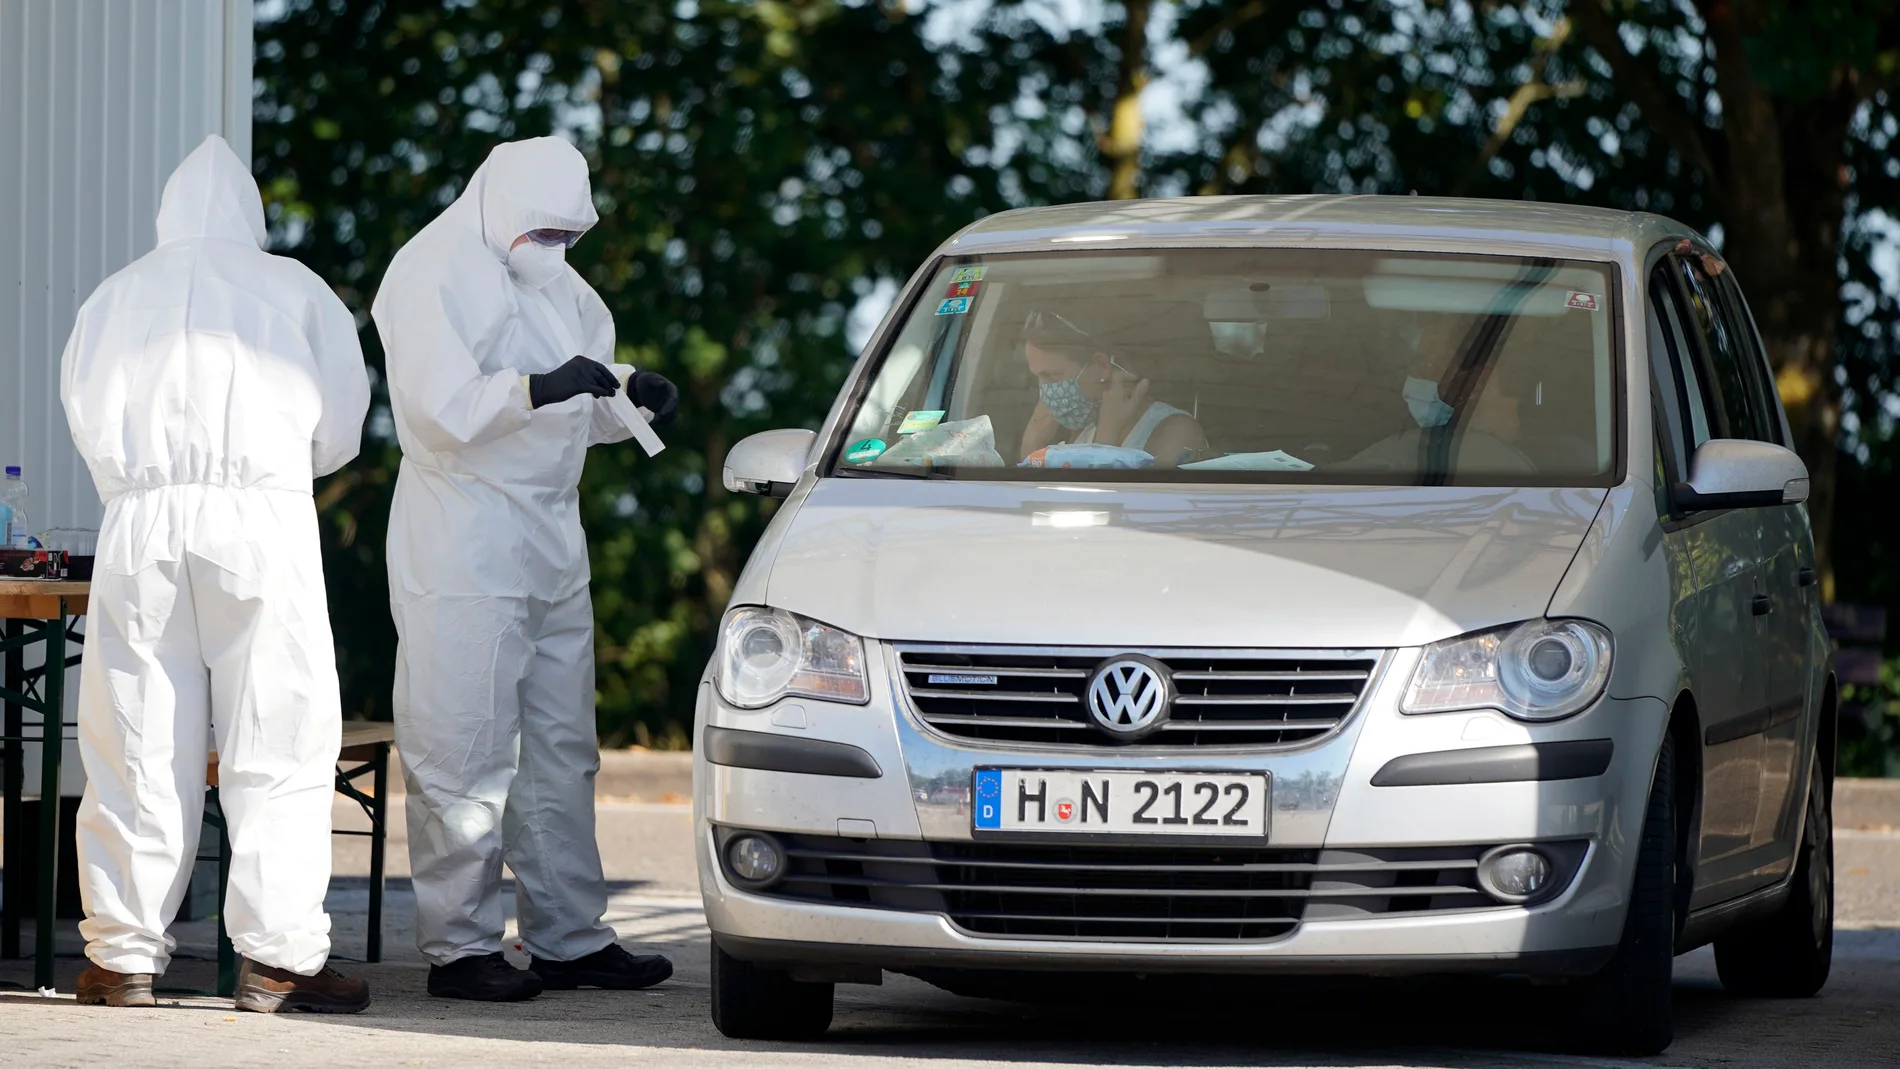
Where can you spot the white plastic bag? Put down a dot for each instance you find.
(968, 443)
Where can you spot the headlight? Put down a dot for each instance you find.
(1536, 670)
(768, 654)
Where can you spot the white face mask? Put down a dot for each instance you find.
(536, 265)
(1428, 409)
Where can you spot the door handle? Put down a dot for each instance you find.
(1804, 577)
(1763, 605)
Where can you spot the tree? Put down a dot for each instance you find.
(749, 191)
(1772, 150)
(761, 165)
(1754, 118)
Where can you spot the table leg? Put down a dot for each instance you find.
(52, 741)
(227, 956)
(13, 772)
(378, 834)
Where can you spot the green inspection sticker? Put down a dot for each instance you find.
(967, 274)
(866, 451)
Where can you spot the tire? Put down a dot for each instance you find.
(1788, 955)
(1627, 1007)
(753, 1003)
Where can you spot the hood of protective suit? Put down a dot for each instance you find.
(540, 183)
(209, 362)
(488, 501)
(212, 195)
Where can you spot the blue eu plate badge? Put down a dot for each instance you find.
(989, 798)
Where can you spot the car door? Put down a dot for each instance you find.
(1717, 562)
(1787, 585)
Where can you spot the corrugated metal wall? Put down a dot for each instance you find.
(99, 100)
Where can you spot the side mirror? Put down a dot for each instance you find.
(769, 462)
(1734, 473)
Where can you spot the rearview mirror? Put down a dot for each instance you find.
(769, 462)
(1734, 473)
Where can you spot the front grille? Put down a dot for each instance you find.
(1127, 892)
(1013, 694)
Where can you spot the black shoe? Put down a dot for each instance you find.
(483, 978)
(610, 967)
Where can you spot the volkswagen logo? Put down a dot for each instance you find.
(1129, 696)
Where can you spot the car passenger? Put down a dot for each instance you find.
(1489, 429)
(1088, 396)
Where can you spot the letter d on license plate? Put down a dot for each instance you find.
(1121, 803)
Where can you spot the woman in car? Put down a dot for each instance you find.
(1088, 396)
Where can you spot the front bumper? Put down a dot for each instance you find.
(1324, 798)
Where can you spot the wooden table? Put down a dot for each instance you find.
(366, 753)
(35, 611)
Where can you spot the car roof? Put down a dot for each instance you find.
(1320, 221)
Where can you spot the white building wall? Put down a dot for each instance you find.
(99, 100)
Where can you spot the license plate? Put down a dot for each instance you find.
(1121, 803)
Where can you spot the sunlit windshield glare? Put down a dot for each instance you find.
(1248, 365)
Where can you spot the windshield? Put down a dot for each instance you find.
(1249, 365)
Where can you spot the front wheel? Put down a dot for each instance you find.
(1788, 955)
(1627, 1007)
(749, 1002)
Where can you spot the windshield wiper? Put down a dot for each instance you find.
(893, 473)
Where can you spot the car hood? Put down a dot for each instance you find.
(1298, 567)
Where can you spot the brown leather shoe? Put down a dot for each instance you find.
(264, 989)
(103, 987)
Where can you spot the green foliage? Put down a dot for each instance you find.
(749, 191)
(1797, 49)
(1877, 752)
(760, 166)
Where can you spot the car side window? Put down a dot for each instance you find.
(1742, 328)
(1736, 395)
(1677, 366)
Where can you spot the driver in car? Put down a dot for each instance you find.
(1087, 395)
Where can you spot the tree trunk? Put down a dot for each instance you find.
(1122, 141)
(1783, 198)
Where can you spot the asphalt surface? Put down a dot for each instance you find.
(1854, 1023)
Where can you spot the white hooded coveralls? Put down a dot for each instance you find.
(206, 384)
(494, 695)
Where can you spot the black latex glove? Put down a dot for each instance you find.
(653, 392)
(578, 376)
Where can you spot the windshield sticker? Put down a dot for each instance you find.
(962, 289)
(953, 306)
(1586, 301)
(866, 451)
(920, 421)
(967, 274)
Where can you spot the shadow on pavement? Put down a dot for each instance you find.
(1453, 1022)
(1334, 1023)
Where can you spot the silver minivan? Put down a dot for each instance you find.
(1293, 585)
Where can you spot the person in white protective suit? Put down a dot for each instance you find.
(206, 385)
(498, 356)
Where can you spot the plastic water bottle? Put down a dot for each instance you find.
(14, 497)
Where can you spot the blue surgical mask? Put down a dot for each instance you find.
(1065, 402)
(1421, 396)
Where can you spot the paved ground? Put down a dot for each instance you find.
(1855, 1023)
